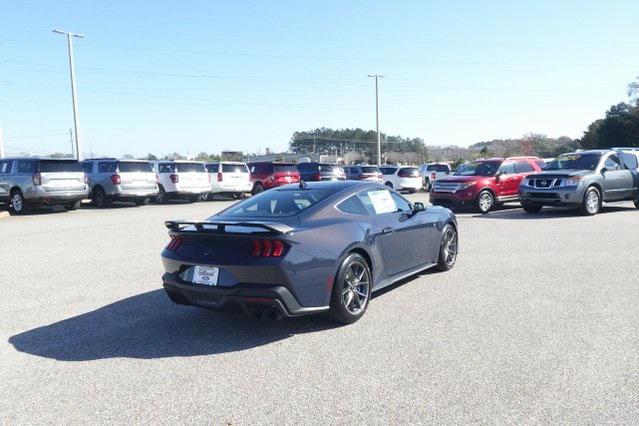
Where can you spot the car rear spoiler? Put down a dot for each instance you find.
(220, 226)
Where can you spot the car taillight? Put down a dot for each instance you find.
(174, 178)
(433, 176)
(268, 248)
(37, 178)
(157, 178)
(116, 179)
(220, 177)
(86, 179)
(175, 243)
(316, 176)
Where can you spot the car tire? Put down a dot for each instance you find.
(485, 202)
(73, 206)
(346, 305)
(18, 203)
(411, 191)
(142, 201)
(389, 184)
(637, 204)
(448, 249)
(257, 188)
(591, 203)
(194, 198)
(161, 197)
(99, 197)
(531, 208)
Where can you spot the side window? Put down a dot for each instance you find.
(401, 204)
(106, 167)
(378, 201)
(87, 167)
(26, 167)
(353, 205)
(523, 167)
(5, 167)
(630, 161)
(612, 163)
(507, 169)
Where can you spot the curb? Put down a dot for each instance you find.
(4, 215)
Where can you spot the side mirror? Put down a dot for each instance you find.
(418, 207)
(498, 176)
(603, 170)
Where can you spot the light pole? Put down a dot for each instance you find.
(74, 96)
(379, 140)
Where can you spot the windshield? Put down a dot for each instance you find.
(574, 161)
(479, 168)
(59, 166)
(281, 202)
(190, 167)
(135, 166)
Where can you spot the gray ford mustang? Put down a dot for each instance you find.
(307, 248)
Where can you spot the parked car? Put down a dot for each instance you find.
(267, 175)
(402, 178)
(364, 172)
(229, 178)
(305, 249)
(26, 183)
(584, 180)
(120, 180)
(434, 171)
(181, 179)
(484, 183)
(313, 171)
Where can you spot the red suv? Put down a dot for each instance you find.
(268, 175)
(484, 183)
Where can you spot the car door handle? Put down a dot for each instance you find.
(388, 230)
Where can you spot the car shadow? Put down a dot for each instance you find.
(149, 326)
(546, 213)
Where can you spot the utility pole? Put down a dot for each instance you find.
(379, 139)
(74, 96)
(72, 142)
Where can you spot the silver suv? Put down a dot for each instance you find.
(30, 182)
(584, 180)
(120, 180)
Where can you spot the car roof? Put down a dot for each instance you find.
(37, 159)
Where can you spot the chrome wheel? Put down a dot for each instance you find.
(485, 202)
(592, 202)
(17, 203)
(356, 288)
(449, 247)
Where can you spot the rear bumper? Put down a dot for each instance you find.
(215, 189)
(42, 197)
(243, 294)
(135, 193)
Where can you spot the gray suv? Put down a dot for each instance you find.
(30, 182)
(584, 180)
(120, 180)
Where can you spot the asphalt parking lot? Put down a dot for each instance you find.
(538, 322)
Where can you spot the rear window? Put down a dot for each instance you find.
(370, 170)
(166, 168)
(329, 168)
(48, 166)
(212, 168)
(437, 168)
(278, 202)
(409, 171)
(135, 166)
(284, 168)
(234, 168)
(387, 170)
(190, 167)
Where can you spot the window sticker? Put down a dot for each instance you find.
(382, 201)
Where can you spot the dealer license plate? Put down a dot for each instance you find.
(206, 275)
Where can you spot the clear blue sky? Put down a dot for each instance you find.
(164, 76)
